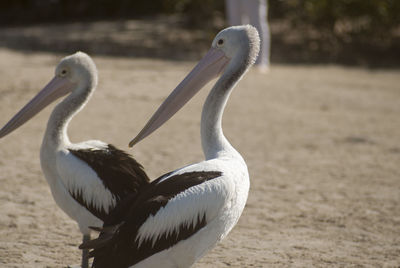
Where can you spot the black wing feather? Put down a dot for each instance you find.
(120, 173)
(122, 250)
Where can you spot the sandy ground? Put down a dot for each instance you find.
(321, 143)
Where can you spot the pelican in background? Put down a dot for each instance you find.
(86, 179)
(180, 216)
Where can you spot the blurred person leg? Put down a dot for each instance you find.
(256, 11)
(234, 12)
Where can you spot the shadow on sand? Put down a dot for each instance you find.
(167, 37)
(162, 37)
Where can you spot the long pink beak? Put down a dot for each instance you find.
(55, 89)
(209, 67)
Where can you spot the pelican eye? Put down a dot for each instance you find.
(220, 42)
(64, 72)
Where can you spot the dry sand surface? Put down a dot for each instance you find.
(322, 144)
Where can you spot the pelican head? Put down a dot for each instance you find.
(76, 74)
(238, 42)
(232, 52)
(78, 69)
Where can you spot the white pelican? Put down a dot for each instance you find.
(86, 179)
(180, 216)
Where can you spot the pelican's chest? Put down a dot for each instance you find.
(236, 184)
(241, 190)
(48, 162)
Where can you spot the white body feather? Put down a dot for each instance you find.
(221, 199)
(66, 173)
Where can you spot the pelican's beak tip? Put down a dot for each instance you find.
(132, 143)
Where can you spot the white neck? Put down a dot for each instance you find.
(56, 131)
(213, 140)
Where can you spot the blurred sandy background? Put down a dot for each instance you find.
(321, 142)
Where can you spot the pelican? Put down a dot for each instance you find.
(86, 179)
(180, 216)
